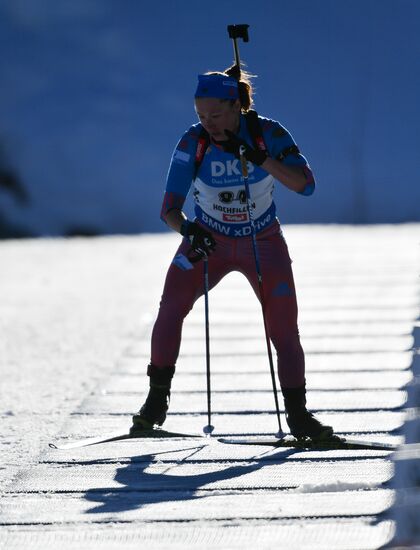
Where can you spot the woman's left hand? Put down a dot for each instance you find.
(233, 143)
(295, 178)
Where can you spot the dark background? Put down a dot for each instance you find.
(94, 95)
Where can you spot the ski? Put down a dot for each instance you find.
(119, 436)
(333, 443)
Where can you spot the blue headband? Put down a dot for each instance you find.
(217, 85)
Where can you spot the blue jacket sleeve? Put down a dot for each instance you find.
(181, 171)
(282, 146)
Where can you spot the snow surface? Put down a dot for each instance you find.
(75, 317)
(67, 307)
(333, 487)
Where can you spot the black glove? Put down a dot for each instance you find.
(232, 145)
(202, 242)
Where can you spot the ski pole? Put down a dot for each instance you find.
(244, 169)
(209, 428)
(235, 32)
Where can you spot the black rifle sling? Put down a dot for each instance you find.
(202, 145)
(255, 131)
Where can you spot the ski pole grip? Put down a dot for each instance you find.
(235, 32)
(238, 31)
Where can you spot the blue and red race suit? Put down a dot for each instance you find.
(220, 206)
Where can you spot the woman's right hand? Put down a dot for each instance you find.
(202, 241)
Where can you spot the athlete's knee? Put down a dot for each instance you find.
(286, 342)
(283, 289)
(176, 305)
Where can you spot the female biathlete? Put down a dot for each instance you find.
(207, 157)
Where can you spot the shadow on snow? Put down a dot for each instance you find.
(138, 487)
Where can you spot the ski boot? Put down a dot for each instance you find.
(154, 410)
(301, 422)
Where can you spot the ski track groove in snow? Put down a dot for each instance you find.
(357, 309)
